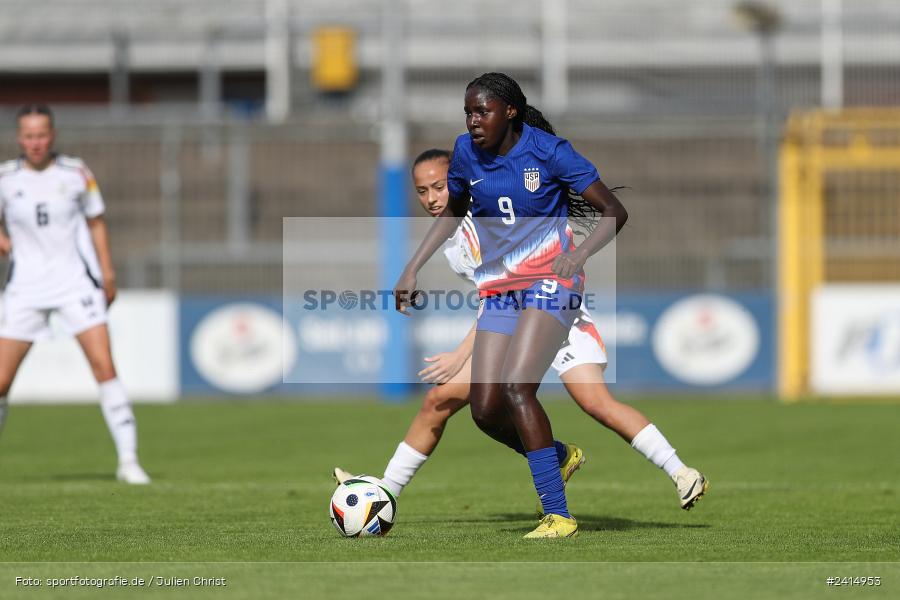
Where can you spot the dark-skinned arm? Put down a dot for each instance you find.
(614, 217)
(442, 228)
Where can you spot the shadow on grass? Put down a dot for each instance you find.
(586, 522)
(607, 523)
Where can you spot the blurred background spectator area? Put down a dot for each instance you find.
(206, 122)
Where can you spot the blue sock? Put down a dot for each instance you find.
(548, 482)
(561, 451)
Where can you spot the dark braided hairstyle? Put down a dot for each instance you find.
(503, 87)
(582, 214)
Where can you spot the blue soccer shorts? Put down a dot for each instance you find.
(500, 313)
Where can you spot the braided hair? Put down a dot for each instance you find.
(582, 214)
(503, 87)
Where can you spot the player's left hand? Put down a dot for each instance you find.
(442, 368)
(567, 265)
(110, 289)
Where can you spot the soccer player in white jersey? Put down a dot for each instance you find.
(52, 212)
(580, 364)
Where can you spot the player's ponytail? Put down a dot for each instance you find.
(583, 216)
(535, 118)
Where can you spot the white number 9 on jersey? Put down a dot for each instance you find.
(506, 207)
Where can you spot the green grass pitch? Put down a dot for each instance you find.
(798, 494)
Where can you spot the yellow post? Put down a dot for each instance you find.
(790, 289)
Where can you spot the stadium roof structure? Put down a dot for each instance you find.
(616, 56)
(77, 35)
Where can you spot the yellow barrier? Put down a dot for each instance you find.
(839, 218)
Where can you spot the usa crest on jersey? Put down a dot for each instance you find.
(532, 179)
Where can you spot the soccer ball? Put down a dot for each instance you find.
(362, 507)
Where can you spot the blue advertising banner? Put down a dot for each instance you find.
(664, 342)
(695, 341)
(231, 344)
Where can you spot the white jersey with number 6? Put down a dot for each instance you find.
(44, 212)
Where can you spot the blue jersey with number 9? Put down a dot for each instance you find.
(520, 206)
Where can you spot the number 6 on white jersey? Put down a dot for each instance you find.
(506, 207)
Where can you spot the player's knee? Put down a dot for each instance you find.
(483, 418)
(598, 409)
(434, 406)
(485, 403)
(514, 394)
(432, 400)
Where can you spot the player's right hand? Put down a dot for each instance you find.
(403, 292)
(110, 289)
(5, 245)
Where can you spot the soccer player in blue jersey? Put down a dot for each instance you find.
(580, 363)
(531, 275)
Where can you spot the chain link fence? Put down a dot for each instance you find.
(199, 208)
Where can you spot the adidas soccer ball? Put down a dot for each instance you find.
(362, 507)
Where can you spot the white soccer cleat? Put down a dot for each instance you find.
(691, 485)
(132, 473)
(340, 476)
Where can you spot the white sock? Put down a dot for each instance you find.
(654, 445)
(402, 467)
(120, 419)
(4, 408)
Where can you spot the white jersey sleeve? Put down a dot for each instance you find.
(90, 200)
(463, 250)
